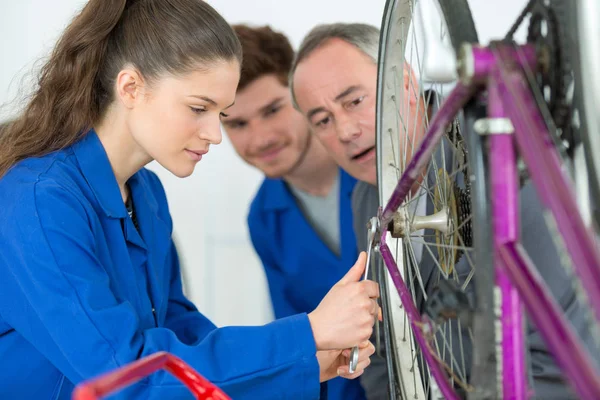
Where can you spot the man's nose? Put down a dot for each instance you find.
(261, 136)
(347, 129)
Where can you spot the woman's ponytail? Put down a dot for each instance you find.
(66, 101)
(76, 85)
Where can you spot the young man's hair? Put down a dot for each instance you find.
(265, 52)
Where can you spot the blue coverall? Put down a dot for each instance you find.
(299, 266)
(82, 292)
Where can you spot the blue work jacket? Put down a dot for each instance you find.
(82, 292)
(299, 267)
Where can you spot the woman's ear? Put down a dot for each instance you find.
(129, 87)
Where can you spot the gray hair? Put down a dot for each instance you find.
(364, 37)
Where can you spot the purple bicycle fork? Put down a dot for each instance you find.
(511, 104)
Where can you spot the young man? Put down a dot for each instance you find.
(333, 84)
(300, 221)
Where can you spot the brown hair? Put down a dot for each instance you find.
(265, 52)
(4, 126)
(75, 86)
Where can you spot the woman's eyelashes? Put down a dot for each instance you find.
(201, 110)
(198, 110)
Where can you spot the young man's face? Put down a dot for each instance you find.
(265, 129)
(336, 89)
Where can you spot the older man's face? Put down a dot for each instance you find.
(335, 88)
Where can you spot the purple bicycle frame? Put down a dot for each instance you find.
(511, 104)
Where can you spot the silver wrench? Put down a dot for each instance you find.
(371, 238)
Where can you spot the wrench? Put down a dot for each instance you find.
(371, 238)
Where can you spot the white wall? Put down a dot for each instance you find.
(223, 275)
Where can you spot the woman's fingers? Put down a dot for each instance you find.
(360, 368)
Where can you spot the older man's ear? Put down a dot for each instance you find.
(411, 83)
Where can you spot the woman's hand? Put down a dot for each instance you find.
(346, 315)
(333, 363)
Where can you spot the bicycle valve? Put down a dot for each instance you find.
(403, 224)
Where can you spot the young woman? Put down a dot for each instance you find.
(89, 276)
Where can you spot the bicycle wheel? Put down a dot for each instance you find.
(446, 213)
(583, 34)
(566, 35)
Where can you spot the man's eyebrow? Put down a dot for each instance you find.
(263, 109)
(271, 104)
(314, 111)
(232, 121)
(340, 96)
(347, 92)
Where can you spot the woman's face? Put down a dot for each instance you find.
(178, 117)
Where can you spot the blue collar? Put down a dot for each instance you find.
(280, 197)
(98, 172)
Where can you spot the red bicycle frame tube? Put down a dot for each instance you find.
(116, 380)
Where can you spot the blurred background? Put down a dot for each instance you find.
(222, 274)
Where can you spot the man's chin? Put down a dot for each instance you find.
(369, 177)
(274, 173)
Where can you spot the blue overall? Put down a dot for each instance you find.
(299, 266)
(82, 292)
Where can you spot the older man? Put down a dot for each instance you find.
(333, 83)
